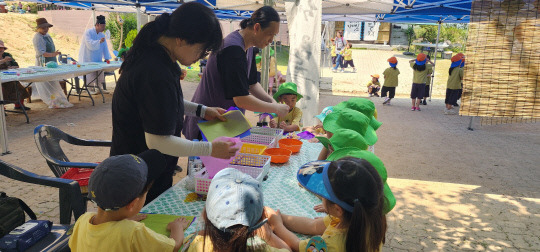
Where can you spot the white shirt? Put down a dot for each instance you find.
(91, 49)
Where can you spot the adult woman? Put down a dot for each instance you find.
(230, 76)
(340, 45)
(50, 92)
(13, 91)
(148, 105)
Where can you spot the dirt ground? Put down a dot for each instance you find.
(456, 189)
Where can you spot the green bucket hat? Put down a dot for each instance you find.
(287, 88)
(344, 138)
(364, 106)
(122, 51)
(375, 162)
(346, 118)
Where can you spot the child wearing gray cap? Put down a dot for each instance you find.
(118, 186)
(233, 216)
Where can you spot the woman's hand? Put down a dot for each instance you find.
(6, 59)
(212, 113)
(223, 149)
(281, 109)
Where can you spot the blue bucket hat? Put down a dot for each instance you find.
(314, 177)
(234, 198)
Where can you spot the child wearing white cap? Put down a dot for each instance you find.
(233, 216)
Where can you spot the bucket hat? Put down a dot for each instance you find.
(42, 22)
(346, 118)
(343, 138)
(287, 88)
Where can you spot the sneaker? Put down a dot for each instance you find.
(377, 95)
(424, 102)
(386, 101)
(342, 70)
(334, 70)
(449, 112)
(92, 91)
(105, 91)
(413, 108)
(418, 109)
(354, 70)
(370, 95)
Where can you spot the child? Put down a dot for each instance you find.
(234, 214)
(287, 94)
(420, 71)
(318, 130)
(390, 81)
(428, 83)
(119, 186)
(352, 194)
(374, 85)
(347, 57)
(453, 85)
(333, 53)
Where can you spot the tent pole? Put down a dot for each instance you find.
(265, 56)
(3, 127)
(93, 16)
(435, 61)
(138, 7)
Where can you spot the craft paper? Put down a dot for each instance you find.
(235, 125)
(158, 222)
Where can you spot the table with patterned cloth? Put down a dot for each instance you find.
(281, 191)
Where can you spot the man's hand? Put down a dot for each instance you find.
(7, 59)
(102, 40)
(282, 125)
(212, 113)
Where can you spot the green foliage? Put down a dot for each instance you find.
(410, 35)
(426, 32)
(455, 33)
(130, 37)
(130, 23)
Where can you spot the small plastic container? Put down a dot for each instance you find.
(269, 141)
(251, 148)
(291, 144)
(276, 133)
(278, 155)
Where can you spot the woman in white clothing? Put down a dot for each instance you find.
(50, 92)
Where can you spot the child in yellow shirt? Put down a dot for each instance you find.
(374, 85)
(347, 57)
(112, 228)
(333, 53)
(352, 194)
(287, 94)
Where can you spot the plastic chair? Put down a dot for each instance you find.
(71, 199)
(48, 143)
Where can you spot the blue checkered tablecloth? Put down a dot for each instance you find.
(281, 191)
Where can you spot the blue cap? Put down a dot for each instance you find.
(234, 198)
(314, 177)
(118, 180)
(324, 113)
(420, 63)
(393, 64)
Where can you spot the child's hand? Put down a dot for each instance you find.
(265, 232)
(282, 125)
(138, 217)
(178, 224)
(274, 217)
(273, 123)
(319, 208)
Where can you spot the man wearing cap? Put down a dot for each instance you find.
(119, 186)
(94, 49)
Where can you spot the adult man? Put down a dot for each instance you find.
(94, 49)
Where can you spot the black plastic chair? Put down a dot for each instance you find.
(48, 143)
(70, 192)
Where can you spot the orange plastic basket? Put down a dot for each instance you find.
(290, 144)
(278, 155)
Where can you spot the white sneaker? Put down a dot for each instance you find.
(334, 70)
(105, 91)
(449, 112)
(92, 91)
(386, 101)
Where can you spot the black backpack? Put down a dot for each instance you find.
(12, 213)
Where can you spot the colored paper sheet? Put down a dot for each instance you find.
(235, 125)
(159, 222)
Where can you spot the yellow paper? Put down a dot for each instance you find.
(235, 125)
(158, 222)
